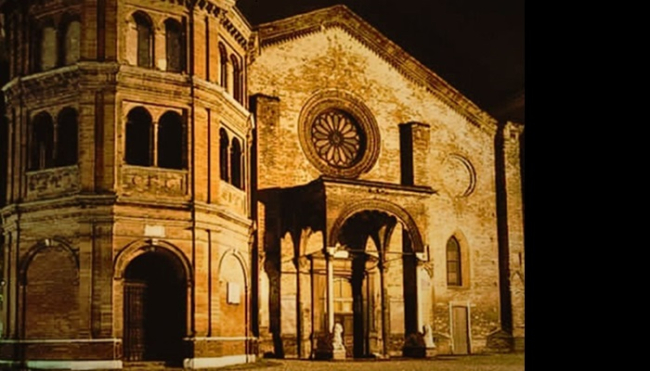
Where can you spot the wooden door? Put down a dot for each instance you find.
(460, 330)
(134, 334)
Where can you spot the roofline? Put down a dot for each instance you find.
(243, 18)
(341, 16)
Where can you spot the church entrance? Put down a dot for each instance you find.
(154, 309)
(375, 296)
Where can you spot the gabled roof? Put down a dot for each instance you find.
(341, 16)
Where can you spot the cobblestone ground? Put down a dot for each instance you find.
(496, 362)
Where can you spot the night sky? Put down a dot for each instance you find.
(475, 45)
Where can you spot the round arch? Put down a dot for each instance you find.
(143, 246)
(41, 245)
(152, 288)
(379, 205)
(242, 262)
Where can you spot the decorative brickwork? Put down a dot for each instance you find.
(152, 212)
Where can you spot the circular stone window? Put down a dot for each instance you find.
(339, 134)
(337, 138)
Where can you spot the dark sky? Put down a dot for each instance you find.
(475, 45)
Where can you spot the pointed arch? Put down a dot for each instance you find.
(457, 264)
(454, 263)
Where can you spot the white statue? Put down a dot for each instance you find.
(428, 337)
(337, 342)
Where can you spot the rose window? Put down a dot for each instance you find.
(337, 138)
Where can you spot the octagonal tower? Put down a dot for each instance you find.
(126, 222)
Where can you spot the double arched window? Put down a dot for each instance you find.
(231, 73)
(231, 160)
(169, 133)
(53, 143)
(141, 49)
(54, 46)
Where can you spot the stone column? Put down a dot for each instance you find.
(385, 333)
(329, 255)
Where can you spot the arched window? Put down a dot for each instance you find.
(454, 268)
(171, 137)
(235, 163)
(236, 79)
(174, 45)
(48, 48)
(42, 142)
(223, 61)
(145, 39)
(71, 42)
(67, 137)
(223, 154)
(138, 137)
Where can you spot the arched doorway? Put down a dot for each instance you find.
(155, 296)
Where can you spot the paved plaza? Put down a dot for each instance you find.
(495, 362)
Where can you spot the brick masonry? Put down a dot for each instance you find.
(70, 233)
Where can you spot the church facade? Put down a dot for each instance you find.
(183, 187)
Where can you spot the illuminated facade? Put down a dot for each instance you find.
(184, 187)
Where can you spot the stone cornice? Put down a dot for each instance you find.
(218, 91)
(342, 17)
(379, 187)
(83, 201)
(62, 81)
(235, 23)
(43, 85)
(226, 13)
(220, 211)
